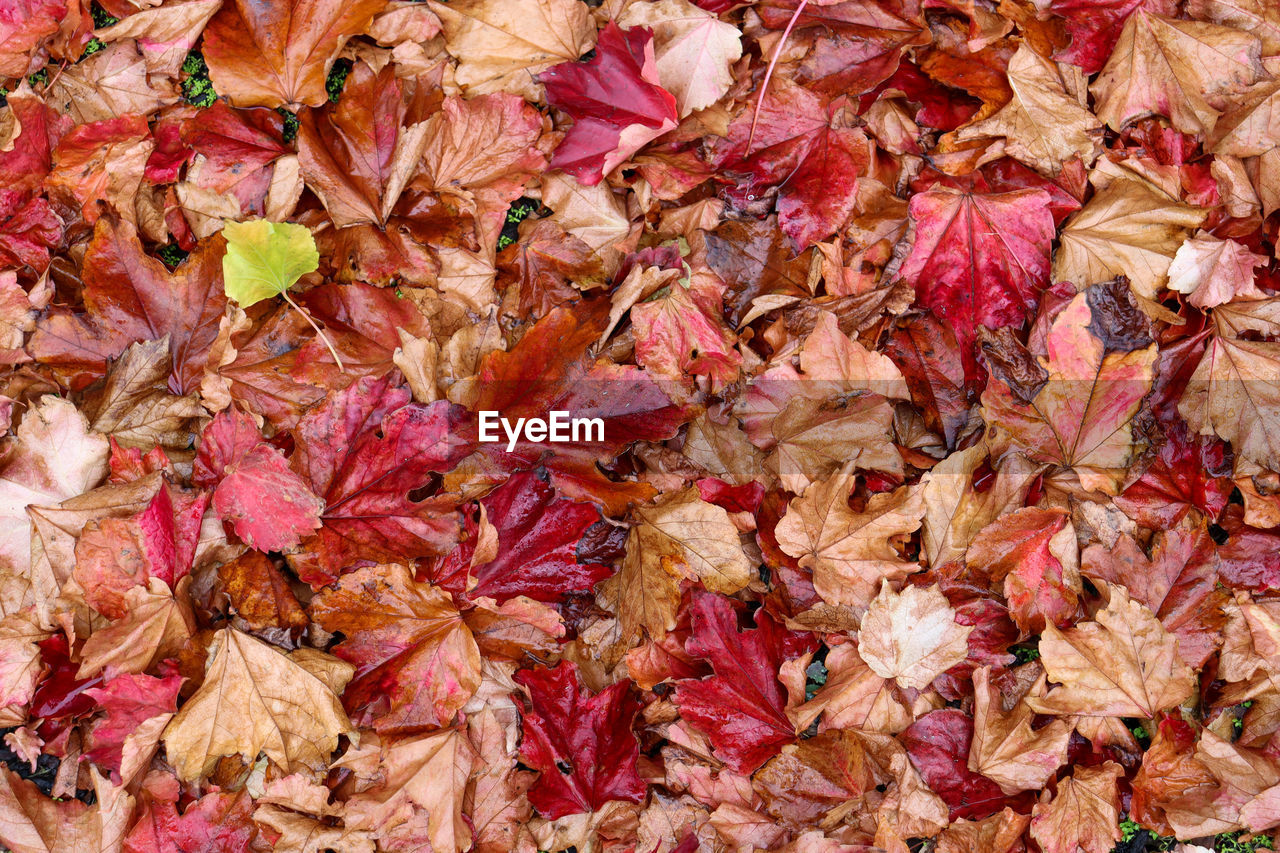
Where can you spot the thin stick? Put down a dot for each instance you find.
(768, 74)
(333, 352)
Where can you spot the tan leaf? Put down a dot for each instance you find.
(592, 214)
(136, 407)
(1126, 229)
(1175, 68)
(496, 801)
(912, 636)
(1042, 124)
(722, 450)
(157, 624)
(1259, 315)
(255, 699)
(19, 666)
(849, 552)
(17, 317)
(56, 529)
(1250, 126)
(1123, 664)
(501, 44)
(165, 33)
(700, 535)
(813, 438)
(1213, 271)
(1000, 833)
(1233, 394)
(1259, 17)
(421, 774)
(304, 834)
(646, 591)
(30, 822)
(955, 512)
(1243, 778)
(111, 83)
(1084, 816)
(854, 696)
(1005, 748)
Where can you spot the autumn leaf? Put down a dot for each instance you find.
(1166, 66)
(581, 742)
(741, 707)
(500, 55)
(1043, 125)
(280, 55)
(1084, 815)
(257, 699)
(693, 50)
(403, 635)
(1230, 396)
(611, 121)
(979, 260)
(1122, 664)
(849, 553)
(264, 259)
(1127, 229)
(1005, 747)
(912, 636)
(1080, 418)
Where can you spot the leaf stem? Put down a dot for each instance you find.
(768, 74)
(306, 316)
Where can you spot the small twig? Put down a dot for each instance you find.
(333, 352)
(768, 74)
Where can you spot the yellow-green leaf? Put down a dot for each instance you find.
(265, 258)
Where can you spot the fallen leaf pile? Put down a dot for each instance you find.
(936, 349)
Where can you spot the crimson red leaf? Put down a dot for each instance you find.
(215, 823)
(742, 707)
(538, 537)
(128, 701)
(265, 502)
(615, 101)
(938, 744)
(365, 452)
(583, 744)
(979, 260)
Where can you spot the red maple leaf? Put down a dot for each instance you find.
(583, 744)
(741, 707)
(254, 490)
(538, 540)
(128, 700)
(979, 260)
(215, 823)
(130, 297)
(367, 451)
(938, 744)
(615, 101)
